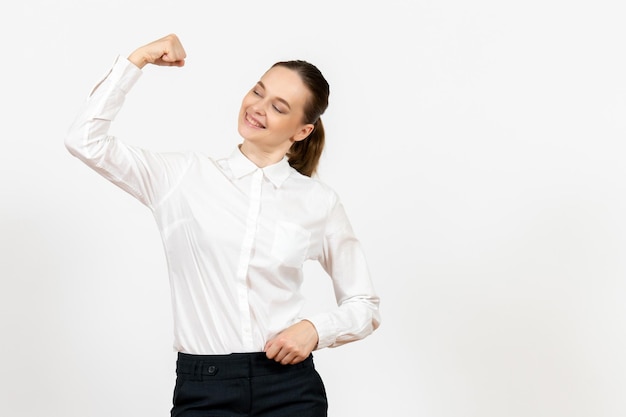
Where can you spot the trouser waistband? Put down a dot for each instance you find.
(234, 365)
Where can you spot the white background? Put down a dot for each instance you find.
(478, 147)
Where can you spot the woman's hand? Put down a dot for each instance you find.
(294, 344)
(167, 51)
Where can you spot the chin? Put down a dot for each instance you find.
(244, 131)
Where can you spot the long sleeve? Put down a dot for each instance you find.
(234, 247)
(144, 174)
(357, 314)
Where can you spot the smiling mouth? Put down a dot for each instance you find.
(253, 122)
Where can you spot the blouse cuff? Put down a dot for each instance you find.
(326, 331)
(109, 94)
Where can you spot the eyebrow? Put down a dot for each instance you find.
(282, 100)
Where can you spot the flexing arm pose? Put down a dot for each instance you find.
(236, 233)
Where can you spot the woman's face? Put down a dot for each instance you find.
(271, 114)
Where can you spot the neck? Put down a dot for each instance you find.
(261, 157)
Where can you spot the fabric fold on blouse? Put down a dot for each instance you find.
(235, 236)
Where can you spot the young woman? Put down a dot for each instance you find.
(236, 232)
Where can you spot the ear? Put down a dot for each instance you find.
(303, 133)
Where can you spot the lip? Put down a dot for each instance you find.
(252, 122)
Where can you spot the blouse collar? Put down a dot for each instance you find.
(276, 173)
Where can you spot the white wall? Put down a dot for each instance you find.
(478, 147)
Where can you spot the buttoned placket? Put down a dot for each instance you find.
(244, 258)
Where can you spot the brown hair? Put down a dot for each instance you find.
(304, 155)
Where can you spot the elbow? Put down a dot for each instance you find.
(375, 320)
(81, 141)
(71, 148)
(85, 139)
(374, 307)
(375, 314)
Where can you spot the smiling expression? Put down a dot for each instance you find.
(271, 114)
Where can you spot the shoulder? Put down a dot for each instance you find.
(201, 159)
(317, 190)
(180, 163)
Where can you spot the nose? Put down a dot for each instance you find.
(258, 106)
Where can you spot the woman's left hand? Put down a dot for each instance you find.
(294, 344)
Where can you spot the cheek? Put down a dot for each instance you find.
(292, 124)
(244, 104)
(247, 101)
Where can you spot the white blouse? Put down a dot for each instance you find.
(236, 236)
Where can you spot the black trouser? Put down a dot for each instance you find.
(246, 385)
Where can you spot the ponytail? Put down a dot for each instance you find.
(304, 155)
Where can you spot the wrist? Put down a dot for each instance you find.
(138, 59)
(314, 335)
